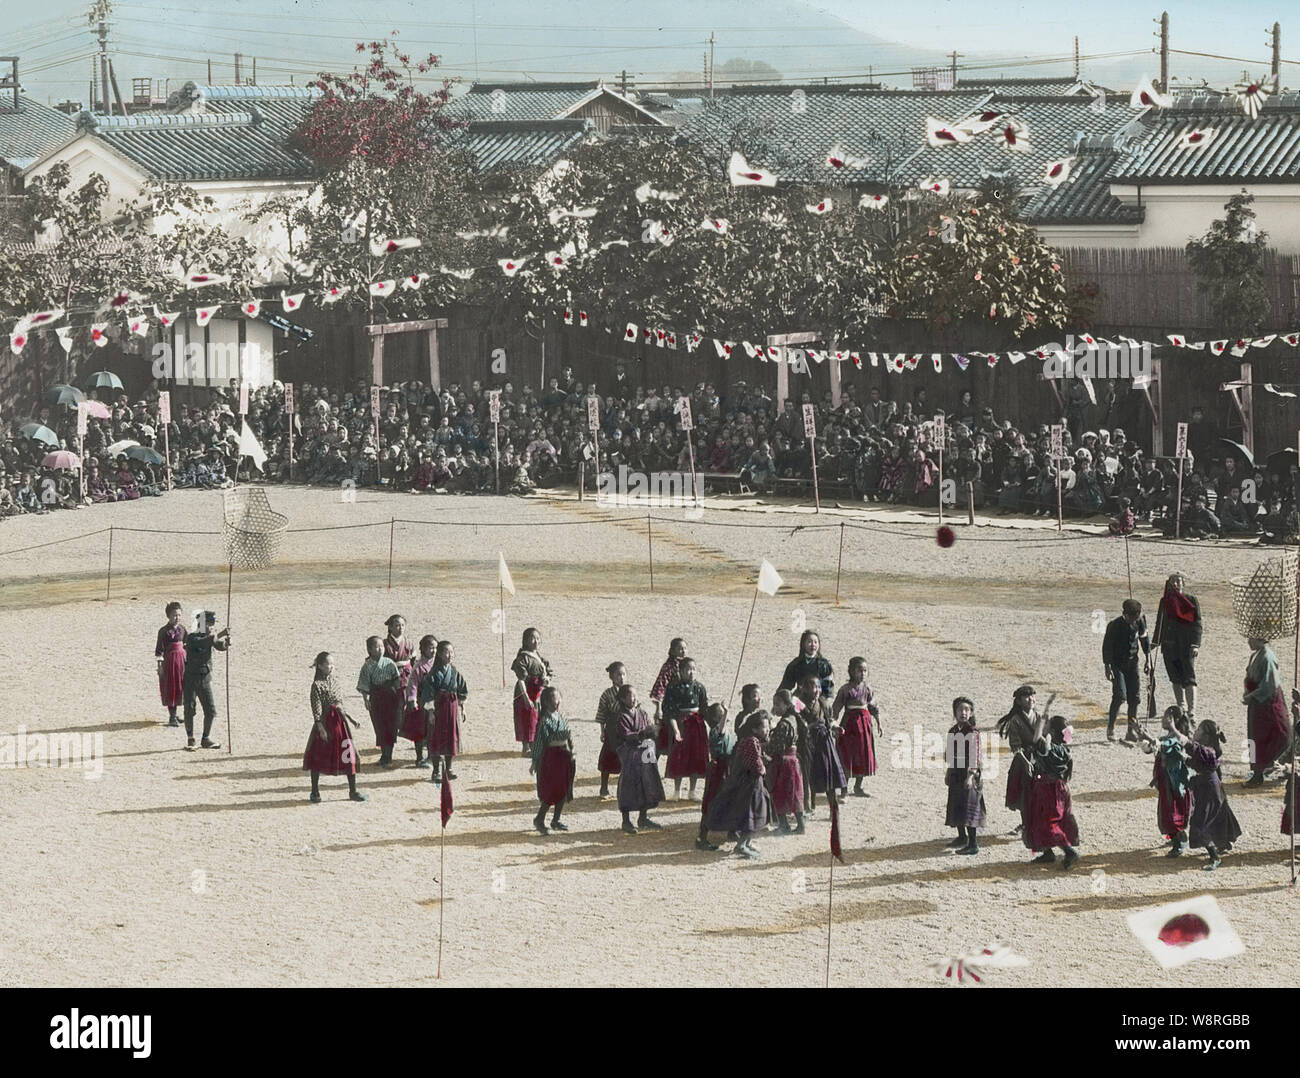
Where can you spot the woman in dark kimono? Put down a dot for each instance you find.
(1178, 632)
(891, 475)
(1213, 824)
(1013, 482)
(639, 787)
(170, 653)
(1172, 780)
(1266, 721)
(1021, 726)
(1051, 819)
(824, 771)
(743, 805)
(809, 661)
(964, 779)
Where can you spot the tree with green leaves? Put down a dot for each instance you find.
(971, 259)
(1229, 262)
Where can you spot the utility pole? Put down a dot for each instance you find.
(1277, 56)
(1076, 56)
(253, 80)
(705, 81)
(954, 55)
(622, 82)
(238, 57)
(99, 17)
(1164, 52)
(710, 65)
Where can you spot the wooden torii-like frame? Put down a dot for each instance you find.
(380, 331)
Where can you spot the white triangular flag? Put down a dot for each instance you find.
(65, 338)
(249, 446)
(503, 574)
(768, 578)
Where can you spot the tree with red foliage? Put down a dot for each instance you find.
(376, 114)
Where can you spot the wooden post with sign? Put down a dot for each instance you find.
(810, 432)
(688, 424)
(1058, 453)
(288, 411)
(1180, 450)
(494, 413)
(165, 418)
(82, 412)
(940, 435)
(374, 413)
(593, 423)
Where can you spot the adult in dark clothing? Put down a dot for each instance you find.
(1202, 436)
(1178, 632)
(1119, 653)
(1235, 515)
(197, 684)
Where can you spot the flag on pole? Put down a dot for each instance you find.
(768, 578)
(503, 574)
(250, 447)
(446, 801)
(836, 851)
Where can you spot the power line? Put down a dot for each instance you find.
(1237, 59)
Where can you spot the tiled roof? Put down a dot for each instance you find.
(1056, 125)
(32, 131)
(1063, 85)
(242, 133)
(532, 100)
(791, 130)
(1263, 150)
(518, 143)
(1084, 198)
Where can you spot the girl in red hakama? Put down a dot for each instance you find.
(1171, 778)
(170, 653)
(721, 746)
(415, 721)
(667, 675)
(533, 673)
(1051, 821)
(331, 748)
(443, 692)
(787, 775)
(1266, 721)
(683, 704)
(608, 712)
(1287, 828)
(379, 684)
(857, 744)
(553, 761)
(398, 648)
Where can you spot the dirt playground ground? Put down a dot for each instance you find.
(212, 868)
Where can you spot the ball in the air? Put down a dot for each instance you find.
(945, 537)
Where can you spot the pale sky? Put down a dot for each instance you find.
(593, 38)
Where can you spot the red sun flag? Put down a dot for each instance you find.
(447, 805)
(836, 851)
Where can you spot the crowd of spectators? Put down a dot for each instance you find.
(870, 449)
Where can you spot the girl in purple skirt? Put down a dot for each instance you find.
(1213, 825)
(553, 761)
(743, 805)
(331, 748)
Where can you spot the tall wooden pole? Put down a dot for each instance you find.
(839, 564)
(830, 899)
(230, 580)
(650, 545)
(442, 872)
(501, 589)
(741, 660)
